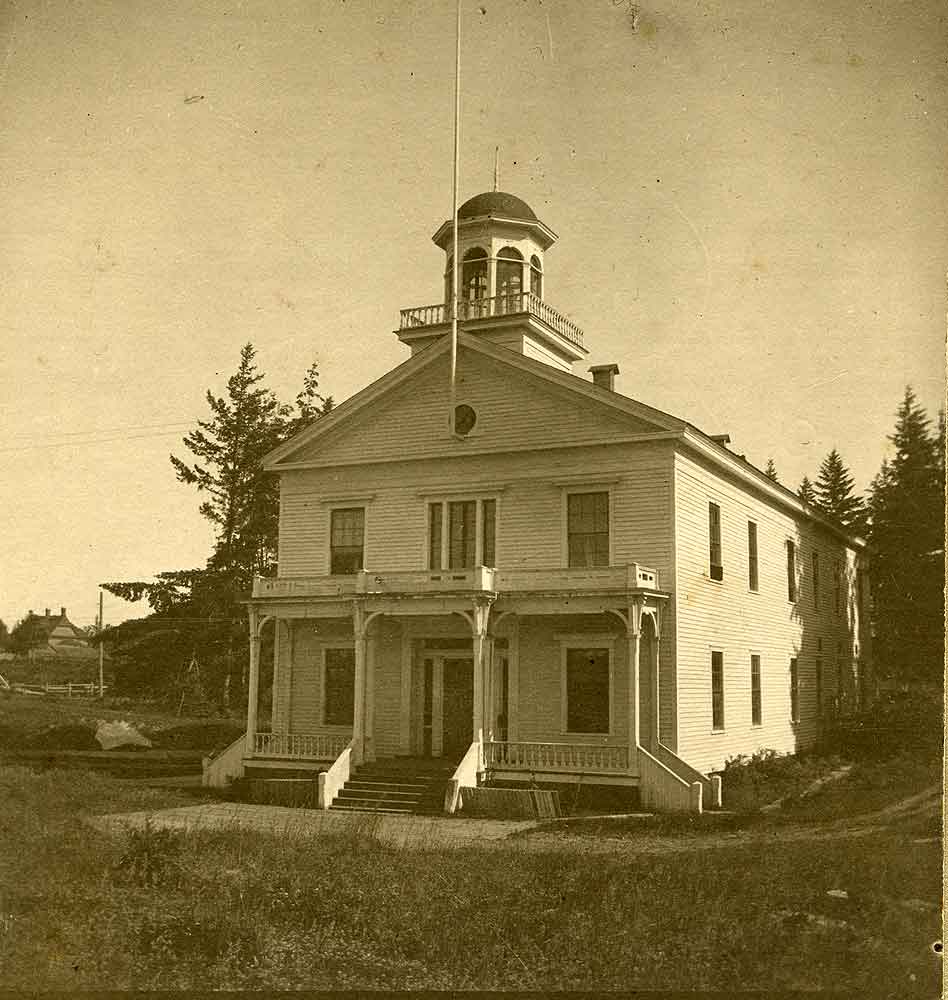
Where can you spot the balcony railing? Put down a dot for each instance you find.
(576, 758)
(477, 579)
(301, 746)
(516, 303)
(592, 578)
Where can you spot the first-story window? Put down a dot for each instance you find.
(756, 713)
(339, 687)
(454, 540)
(347, 540)
(717, 690)
(794, 691)
(819, 685)
(587, 690)
(587, 528)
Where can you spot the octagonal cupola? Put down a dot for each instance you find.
(502, 293)
(501, 244)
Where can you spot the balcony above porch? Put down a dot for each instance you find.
(477, 580)
(493, 318)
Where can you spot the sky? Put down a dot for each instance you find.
(750, 199)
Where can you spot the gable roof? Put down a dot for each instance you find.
(631, 412)
(634, 415)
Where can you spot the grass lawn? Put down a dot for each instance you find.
(79, 909)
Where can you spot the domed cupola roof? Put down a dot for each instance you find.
(497, 203)
(497, 210)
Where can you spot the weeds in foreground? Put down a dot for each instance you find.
(237, 910)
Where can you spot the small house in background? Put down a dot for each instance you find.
(532, 578)
(52, 635)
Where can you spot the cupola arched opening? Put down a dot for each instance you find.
(449, 281)
(474, 275)
(536, 277)
(509, 278)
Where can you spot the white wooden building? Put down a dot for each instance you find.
(571, 585)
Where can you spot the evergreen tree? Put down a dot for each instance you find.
(805, 492)
(241, 501)
(907, 529)
(771, 471)
(198, 622)
(833, 492)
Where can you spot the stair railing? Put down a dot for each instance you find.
(466, 774)
(219, 770)
(329, 782)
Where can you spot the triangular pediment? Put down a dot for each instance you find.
(519, 404)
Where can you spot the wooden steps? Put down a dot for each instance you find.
(409, 786)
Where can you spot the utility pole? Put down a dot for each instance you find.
(101, 651)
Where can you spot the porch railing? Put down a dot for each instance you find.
(511, 304)
(301, 746)
(584, 758)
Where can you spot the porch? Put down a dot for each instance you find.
(508, 674)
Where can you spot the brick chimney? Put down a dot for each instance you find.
(605, 376)
(62, 612)
(47, 612)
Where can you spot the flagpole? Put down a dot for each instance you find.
(454, 221)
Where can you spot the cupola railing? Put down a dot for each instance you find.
(510, 304)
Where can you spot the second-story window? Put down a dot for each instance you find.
(714, 537)
(587, 527)
(837, 587)
(462, 534)
(791, 571)
(816, 579)
(753, 573)
(347, 540)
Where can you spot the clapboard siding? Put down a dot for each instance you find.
(540, 677)
(298, 698)
(387, 657)
(727, 616)
(304, 683)
(530, 511)
(411, 420)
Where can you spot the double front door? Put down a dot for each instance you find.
(447, 715)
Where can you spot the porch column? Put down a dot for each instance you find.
(655, 686)
(274, 709)
(371, 656)
(479, 629)
(632, 638)
(253, 681)
(358, 709)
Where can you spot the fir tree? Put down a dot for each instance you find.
(805, 491)
(833, 492)
(241, 502)
(906, 509)
(198, 618)
(771, 471)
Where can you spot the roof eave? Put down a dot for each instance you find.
(721, 456)
(443, 233)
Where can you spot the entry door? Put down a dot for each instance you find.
(457, 707)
